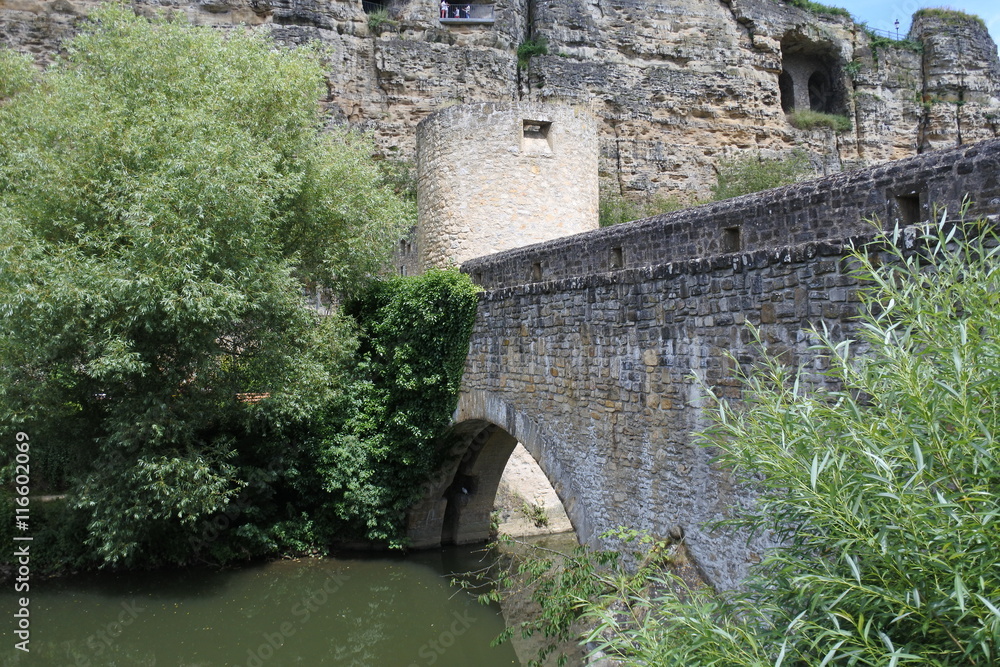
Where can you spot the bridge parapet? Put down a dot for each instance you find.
(827, 209)
(600, 370)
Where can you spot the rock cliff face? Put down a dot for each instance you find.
(676, 85)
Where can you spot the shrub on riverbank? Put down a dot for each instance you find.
(345, 474)
(884, 492)
(370, 466)
(168, 193)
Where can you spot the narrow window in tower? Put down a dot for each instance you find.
(536, 136)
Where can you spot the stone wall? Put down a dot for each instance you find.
(495, 176)
(594, 376)
(601, 374)
(817, 211)
(676, 85)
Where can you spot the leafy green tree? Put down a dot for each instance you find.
(16, 73)
(884, 493)
(165, 193)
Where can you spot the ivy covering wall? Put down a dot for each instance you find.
(413, 342)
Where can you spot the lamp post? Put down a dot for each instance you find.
(897, 30)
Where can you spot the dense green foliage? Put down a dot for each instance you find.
(414, 337)
(536, 46)
(614, 209)
(884, 492)
(752, 173)
(345, 474)
(16, 73)
(165, 194)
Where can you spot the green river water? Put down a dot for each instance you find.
(354, 611)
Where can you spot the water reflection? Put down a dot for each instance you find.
(519, 606)
(390, 612)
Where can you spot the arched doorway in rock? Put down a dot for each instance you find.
(819, 92)
(786, 88)
(812, 76)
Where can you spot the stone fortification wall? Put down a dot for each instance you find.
(821, 210)
(600, 374)
(496, 176)
(594, 376)
(675, 85)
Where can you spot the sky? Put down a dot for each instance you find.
(882, 14)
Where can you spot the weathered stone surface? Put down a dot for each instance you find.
(598, 372)
(961, 83)
(676, 85)
(823, 213)
(495, 176)
(524, 496)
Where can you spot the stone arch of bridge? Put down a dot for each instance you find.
(457, 502)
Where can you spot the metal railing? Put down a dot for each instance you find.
(887, 33)
(459, 12)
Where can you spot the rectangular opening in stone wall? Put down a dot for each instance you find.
(467, 13)
(908, 209)
(536, 271)
(536, 136)
(731, 241)
(617, 258)
(402, 270)
(477, 277)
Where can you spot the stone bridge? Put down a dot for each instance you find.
(586, 348)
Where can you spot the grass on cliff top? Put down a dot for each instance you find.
(949, 15)
(818, 7)
(805, 119)
(877, 42)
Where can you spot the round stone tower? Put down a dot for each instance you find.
(496, 176)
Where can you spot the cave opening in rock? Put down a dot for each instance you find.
(811, 76)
